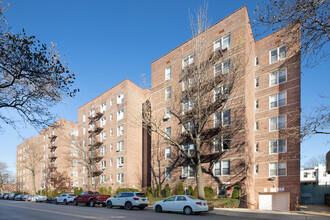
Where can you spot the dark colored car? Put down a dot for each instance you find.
(50, 200)
(18, 197)
(26, 198)
(12, 196)
(6, 195)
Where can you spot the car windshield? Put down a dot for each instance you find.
(140, 194)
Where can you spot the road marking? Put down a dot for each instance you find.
(55, 212)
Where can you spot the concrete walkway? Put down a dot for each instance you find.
(308, 213)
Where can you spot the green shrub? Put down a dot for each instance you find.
(167, 190)
(209, 194)
(190, 190)
(109, 191)
(76, 191)
(80, 190)
(180, 190)
(103, 190)
(235, 194)
(158, 191)
(150, 192)
(195, 192)
(119, 190)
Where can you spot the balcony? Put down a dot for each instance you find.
(52, 138)
(52, 168)
(96, 117)
(95, 145)
(96, 131)
(52, 148)
(52, 157)
(97, 172)
(97, 158)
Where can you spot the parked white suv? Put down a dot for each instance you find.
(128, 200)
(65, 198)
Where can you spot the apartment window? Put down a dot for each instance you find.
(84, 143)
(305, 174)
(103, 107)
(84, 169)
(111, 132)
(111, 102)
(223, 43)
(277, 123)
(93, 180)
(167, 153)
(277, 146)
(188, 83)
(120, 99)
(168, 93)
(72, 132)
(256, 82)
(222, 118)
(217, 168)
(189, 148)
(225, 167)
(120, 177)
(103, 121)
(256, 168)
(120, 162)
(256, 147)
(277, 100)
(77, 132)
(110, 177)
(91, 127)
(277, 77)
(277, 169)
(111, 147)
(84, 117)
(168, 73)
(190, 125)
(111, 117)
(188, 60)
(222, 68)
(92, 112)
(256, 125)
(188, 171)
(120, 146)
(120, 114)
(168, 131)
(256, 103)
(103, 179)
(167, 173)
(223, 90)
(216, 144)
(187, 106)
(277, 54)
(110, 162)
(120, 130)
(256, 61)
(167, 112)
(103, 136)
(103, 149)
(103, 164)
(226, 140)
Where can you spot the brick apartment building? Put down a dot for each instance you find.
(47, 153)
(266, 93)
(111, 127)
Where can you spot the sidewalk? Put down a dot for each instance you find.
(319, 213)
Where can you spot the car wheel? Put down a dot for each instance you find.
(109, 204)
(55, 201)
(128, 205)
(104, 205)
(75, 203)
(158, 208)
(91, 203)
(187, 210)
(65, 202)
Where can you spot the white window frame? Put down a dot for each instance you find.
(256, 147)
(84, 117)
(216, 123)
(167, 153)
(277, 164)
(167, 114)
(222, 167)
(278, 56)
(222, 70)
(256, 82)
(190, 169)
(120, 146)
(256, 104)
(277, 100)
(217, 140)
(168, 72)
(217, 166)
(120, 130)
(277, 123)
(256, 61)
(168, 134)
(103, 107)
(120, 99)
(190, 60)
(222, 141)
(167, 174)
(219, 42)
(256, 168)
(168, 93)
(277, 74)
(120, 114)
(277, 146)
(120, 178)
(103, 164)
(120, 162)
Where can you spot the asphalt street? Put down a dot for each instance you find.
(32, 211)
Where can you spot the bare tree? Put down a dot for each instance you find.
(31, 160)
(315, 161)
(4, 174)
(200, 106)
(312, 16)
(32, 78)
(60, 182)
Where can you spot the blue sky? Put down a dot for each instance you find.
(107, 41)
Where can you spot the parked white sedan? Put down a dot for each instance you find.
(181, 203)
(65, 198)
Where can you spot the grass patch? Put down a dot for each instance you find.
(153, 200)
(223, 203)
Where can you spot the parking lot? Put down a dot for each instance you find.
(32, 210)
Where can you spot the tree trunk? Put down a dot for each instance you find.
(34, 182)
(199, 181)
(89, 180)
